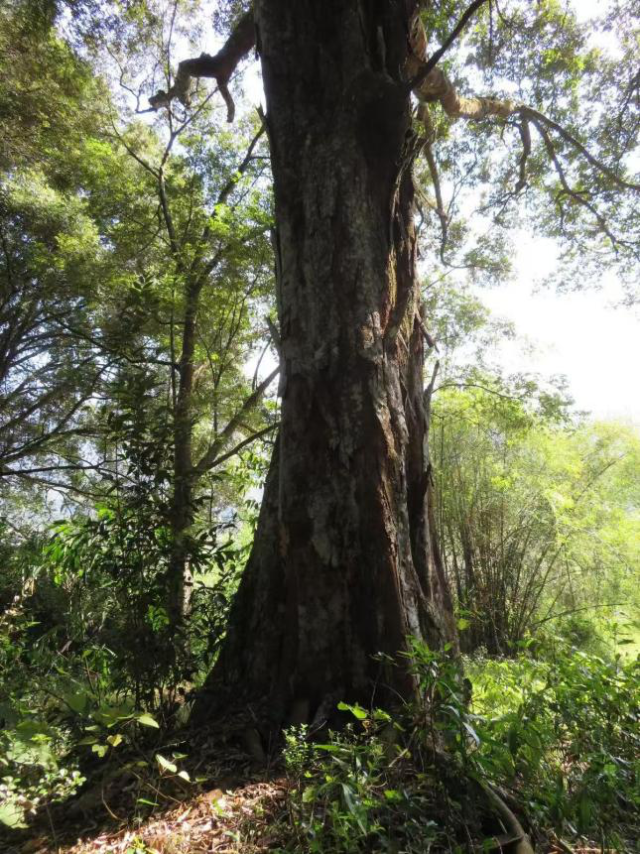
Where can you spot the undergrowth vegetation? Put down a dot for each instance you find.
(557, 733)
(554, 729)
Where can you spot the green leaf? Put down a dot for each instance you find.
(357, 711)
(474, 735)
(381, 715)
(76, 701)
(165, 765)
(585, 808)
(146, 720)
(11, 815)
(184, 775)
(100, 749)
(114, 740)
(110, 715)
(347, 793)
(513, 740)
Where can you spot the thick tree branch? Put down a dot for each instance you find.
(431, 63)
(438, 87)
(442, 214)
(525, 136)
(431, 85)
(425, 117)
(220, 67)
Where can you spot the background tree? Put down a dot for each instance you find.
(50, 253)
(137, 270)
(206, 237)
(529, 512)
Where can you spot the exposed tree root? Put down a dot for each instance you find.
(517, 840)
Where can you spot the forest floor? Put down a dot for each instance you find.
(246, 818)
(225, 803)
(235, 816)
(232, 808)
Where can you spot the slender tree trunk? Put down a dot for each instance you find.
(344, 564)
(181, 510)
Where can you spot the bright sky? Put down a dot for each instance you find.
(580, 335)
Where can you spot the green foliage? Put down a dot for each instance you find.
(89, 641)
(563, 729)
(35, 766)
(537, 517)
(48, 96)
(120, 230)
(114, 568)
(350, 797)
(89, 705)
(378, 784)
(570, 68)
(34, 769)
(558, 731)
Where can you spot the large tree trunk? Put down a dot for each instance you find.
(343, 564)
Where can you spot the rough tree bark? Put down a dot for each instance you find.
(344, 564)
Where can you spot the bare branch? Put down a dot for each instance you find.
(275, 335)
(243, 444)
(141, 161)
(242, 168)
(209, 458)
(442, 214)
(577, 610)
(534, 115)
(220, 67)
(573, 194)
(525, 136)
(254, 381)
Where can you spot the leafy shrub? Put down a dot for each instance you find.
(378, 785)
(78, 608)
(33, 771)
(581, 632)
(353, 794)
